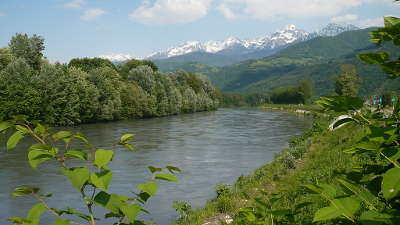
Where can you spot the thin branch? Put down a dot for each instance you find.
(54, 212)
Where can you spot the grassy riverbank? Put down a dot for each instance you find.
(292, 107)
(317, 156)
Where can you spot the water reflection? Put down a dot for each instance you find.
(210, 148)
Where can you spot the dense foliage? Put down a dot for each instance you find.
(91, 181)
(348, 82)
(299, 94)
(93, 89)
(239, 100)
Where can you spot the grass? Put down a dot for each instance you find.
(315, 157)
(292, 107)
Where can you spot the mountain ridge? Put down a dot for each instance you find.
(288, 35)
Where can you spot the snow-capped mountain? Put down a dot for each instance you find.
(117, 57)
(242, 48)
(286, 36)
(280, 39)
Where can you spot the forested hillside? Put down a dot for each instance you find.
(317, 60)
(89, 90)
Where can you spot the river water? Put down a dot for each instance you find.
(210, 147)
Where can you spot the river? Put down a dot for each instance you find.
(210, 147)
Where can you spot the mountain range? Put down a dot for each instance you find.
(318, 60)
(234, 46)
(233, 50)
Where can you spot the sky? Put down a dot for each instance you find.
(90, 28)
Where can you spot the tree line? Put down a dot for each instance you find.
(93, 89)
(301, 93)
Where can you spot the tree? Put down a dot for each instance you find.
(28, 48)
(127, 66)
(89, 64)
(348, 82)
(68, 98)
(18, 94)
(107, 81)
(306, 89)
(5, 57)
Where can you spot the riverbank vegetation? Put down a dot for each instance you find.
(301, 93)
(93, 89)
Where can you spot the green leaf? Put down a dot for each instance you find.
(130, 147)
(360, 192)
(103, 157)
(111, 202)
(36, 157)
(81, 137)
(374, 58)
(14, 140)
(348, 206)
(24, 190)
(61, 135)
(154, 169)
(340, 103)
(325, 190)
(143, 196)
(45, 148)
(35, 212)
(101, 179)
(391, 183)
(40, 130)
(166, 176)
(375, 218)
(126, 138)
(391, 21)
(149, 187)
(173, 169)
(5, 125)
(70, 211)
(39, 153)
(392, 68)
(61, 221)
(282, 212)
(131, 211)
(327, 213)
(78, 176)
(77, 153)
(19, 220)
(368, 146)
(23, 129)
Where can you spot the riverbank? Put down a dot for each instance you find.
(296, 108)
(316, 156)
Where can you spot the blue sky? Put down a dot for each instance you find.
(87, 28)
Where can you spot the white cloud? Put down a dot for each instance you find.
(227, 12)
(374, 22)
(281, 9)
(170, 11)
(2, 14)
(74, 4)
(347, 18)
(91, 14)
